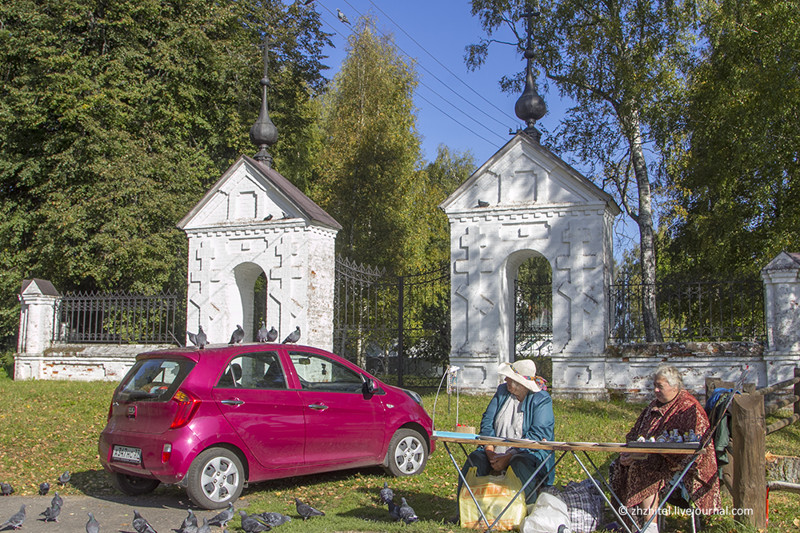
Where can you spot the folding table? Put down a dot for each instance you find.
(573, 448)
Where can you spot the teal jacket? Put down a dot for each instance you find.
(538, 422)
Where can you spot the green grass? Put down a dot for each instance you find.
(49, 426)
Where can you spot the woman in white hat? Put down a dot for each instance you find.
(519, 409)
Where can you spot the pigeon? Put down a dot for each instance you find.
(16, 520)
(92, 526)
(141, 525)
(268, 218)
(199, 339)
(205, 528)
(189, 522)
(263, 333)
(222, 518)
(387, 494)
(237, 336)
(305, 510)
(293, 336)
(272, 519)
(342, 16)
(251, 524)
(482, 203)
(6, 489)
(272, 334)
(44, 488)
(63, 479)
(394, 510)
(406, 513)
(51, 513)
(57, 500)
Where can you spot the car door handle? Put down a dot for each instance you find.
(232, 402)
(318, 406)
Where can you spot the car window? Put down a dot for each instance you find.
(318, 372)
(154, 379)
(254, 371)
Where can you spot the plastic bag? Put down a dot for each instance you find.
(493, 494)
(547, 515)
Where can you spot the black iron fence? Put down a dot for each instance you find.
(533, 319)
(397, 327)
(691, 311)
(119, 318)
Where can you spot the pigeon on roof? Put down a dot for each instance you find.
(293, 336)
(263, 333)
(199, 339)
(237, 336)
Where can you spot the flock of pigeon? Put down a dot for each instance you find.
(51, 513)
(200, 339)
(253, 523)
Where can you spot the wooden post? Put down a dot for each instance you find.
(749, 448)
(797, 391)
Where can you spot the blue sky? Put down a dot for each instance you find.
(461, 109)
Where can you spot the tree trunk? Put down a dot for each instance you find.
(647, 253)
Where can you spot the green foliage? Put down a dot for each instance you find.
(735, 160)
(115, 118)
(367, 170)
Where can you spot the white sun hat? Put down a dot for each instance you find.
(522, 371)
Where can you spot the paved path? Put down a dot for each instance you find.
(165, 511)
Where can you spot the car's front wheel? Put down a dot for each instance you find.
(408, 453)
(133, 485)
(215, 478)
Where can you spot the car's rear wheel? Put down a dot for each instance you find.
(215, 478)
(133, 485)
(408, 453)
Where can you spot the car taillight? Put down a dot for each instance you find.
(187, 407)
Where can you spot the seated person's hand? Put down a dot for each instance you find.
(627, 459)
(500, 461)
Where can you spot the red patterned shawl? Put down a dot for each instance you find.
(643, 478)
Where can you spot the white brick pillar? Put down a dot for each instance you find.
(38, 300)
(782, 302)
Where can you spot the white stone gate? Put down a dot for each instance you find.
(254, 221)
(526, 202)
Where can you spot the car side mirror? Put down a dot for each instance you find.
(368, 387)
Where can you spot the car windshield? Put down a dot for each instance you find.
(154, 379)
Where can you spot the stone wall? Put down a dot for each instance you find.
(96, 362)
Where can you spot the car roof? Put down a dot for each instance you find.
(221, 350)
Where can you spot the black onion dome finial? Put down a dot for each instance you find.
(530, 106)
(264, 133)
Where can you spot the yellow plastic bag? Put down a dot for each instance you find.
(493, 494)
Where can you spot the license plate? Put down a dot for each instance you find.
(127, 454)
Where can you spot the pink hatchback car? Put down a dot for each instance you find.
(212, 420)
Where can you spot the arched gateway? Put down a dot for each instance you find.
(526, 202)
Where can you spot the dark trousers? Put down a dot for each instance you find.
(523, 465)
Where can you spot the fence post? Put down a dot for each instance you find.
(401, 355)
(748, 432)
(797, 391)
